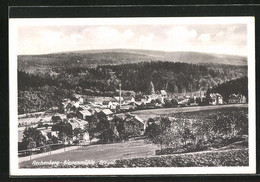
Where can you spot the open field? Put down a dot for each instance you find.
(150, 113)
(108, 152)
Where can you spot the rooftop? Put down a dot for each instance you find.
(107, 111)
(85, 113)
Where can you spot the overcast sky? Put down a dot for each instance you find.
(225, 38)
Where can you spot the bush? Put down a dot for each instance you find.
(216, 158)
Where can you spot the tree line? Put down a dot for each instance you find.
(236, 86)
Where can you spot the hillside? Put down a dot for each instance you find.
(88, 58)
(40, 91)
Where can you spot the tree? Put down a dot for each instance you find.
(167, 103)
(65, 130)
(56, 119)
(91, 127)
(158, 131)
(151, 90)
(187, 135)
(77, 132)
(174, 102)
(32, 135)
(105, 130)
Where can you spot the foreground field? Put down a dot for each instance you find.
(108, 152)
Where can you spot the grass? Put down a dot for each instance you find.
(108, 152)
(146, 114)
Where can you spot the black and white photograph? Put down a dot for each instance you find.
(132, 96)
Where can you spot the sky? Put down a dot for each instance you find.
(209, 38)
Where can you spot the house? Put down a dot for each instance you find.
(147, 99)
(66, 106)
(84, 114)
(94, 110)
(54, 108)
(151, 105)
(73, 124)
(116, 100)
(84, 136)
(137, 121)
(83, 107)
(107, 104)
(77, 123)
(236, 99)
(98, 100)
(80, 100)
(153, 96)
(184, 102)
(95, 104)
(163, 93)
(216, 99)
(106, 113)
(75, 105)
(114, 107)
(129, 100)
(160, 98)
(45, 134)
(127, 107)
(97, 110)
(142, 124)
(81, 123)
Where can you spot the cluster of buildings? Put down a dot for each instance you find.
(79, 111)
(237, 98)
(94, 104)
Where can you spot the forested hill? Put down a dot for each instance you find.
(44, 90)
(235, 86)
(36, 63)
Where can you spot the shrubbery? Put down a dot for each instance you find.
(188, 132)
(214, 158)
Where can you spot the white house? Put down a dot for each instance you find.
(216, 99)
(107, 104)
(128, 100)
(84, 114)
(116, 100)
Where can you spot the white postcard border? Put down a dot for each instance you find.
(14, 23)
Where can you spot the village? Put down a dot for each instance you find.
(79, 112)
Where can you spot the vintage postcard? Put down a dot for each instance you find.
(132, 96)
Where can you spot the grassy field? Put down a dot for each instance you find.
(146, 114)
(108, 152)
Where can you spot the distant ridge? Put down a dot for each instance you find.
(86, 58)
